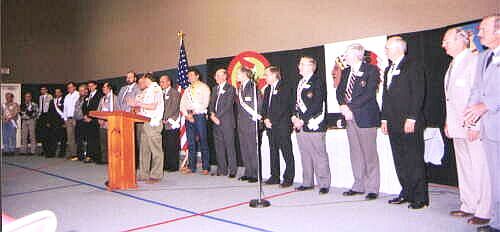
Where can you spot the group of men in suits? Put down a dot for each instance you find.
(472, 121)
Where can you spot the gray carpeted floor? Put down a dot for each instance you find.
(74, 191)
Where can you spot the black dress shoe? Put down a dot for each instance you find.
(252, 179)
(272, 181)
(397, 200)
(324, 190)
(243, 178)
(232, 176)
(304, 188)
(417, 205)
(351, 193)
(286, 184)
(371, 196)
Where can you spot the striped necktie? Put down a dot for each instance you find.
(350, 85)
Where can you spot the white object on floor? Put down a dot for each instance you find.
(41, 221)
(434, 146)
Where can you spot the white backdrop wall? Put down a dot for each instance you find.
(336, 140)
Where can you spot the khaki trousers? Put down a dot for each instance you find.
(473, 177)
(151, 154)
(28, 130)
(70, 137)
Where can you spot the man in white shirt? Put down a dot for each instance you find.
(194, 105)
(150, 103)
(68, 114)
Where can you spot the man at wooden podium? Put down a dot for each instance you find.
(150, 104)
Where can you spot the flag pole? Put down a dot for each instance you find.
(184, 163)
(260, 202)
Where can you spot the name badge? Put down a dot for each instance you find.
(248, 99)
(275, 92)
(167, 97)
(396, 72)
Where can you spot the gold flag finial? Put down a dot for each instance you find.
(180, 34)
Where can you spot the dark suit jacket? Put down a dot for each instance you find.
(314, 97)
(91, 104)
(245, 121)
(282, 106)
(53, 118)
(225, 107)
(364, 95)
(172, 101)
(405, 97)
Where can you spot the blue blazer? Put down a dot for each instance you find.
(364, 95)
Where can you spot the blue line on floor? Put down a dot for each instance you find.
(40, 190)
(137, 198)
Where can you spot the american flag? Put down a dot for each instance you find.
(183, 83)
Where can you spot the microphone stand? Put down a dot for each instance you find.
(260, 202)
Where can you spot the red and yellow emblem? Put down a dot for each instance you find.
(251, 60)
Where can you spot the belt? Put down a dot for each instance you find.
(70, 118)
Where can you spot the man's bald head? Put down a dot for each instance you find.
(395, 47)
(454, 41)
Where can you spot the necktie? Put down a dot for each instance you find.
(217, 99)
(42, 105)
(389, 76)
(271, 96)
(448, 74)
(125, 94)
(488, 62)
(350, 85)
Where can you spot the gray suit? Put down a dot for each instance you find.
(170, 135)
(247, 132)
(485, 90)
(127, 92)
(222, 105)
(473, 179)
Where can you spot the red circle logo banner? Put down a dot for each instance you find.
(251, 60)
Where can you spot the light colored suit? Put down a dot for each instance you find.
(485, 91)
(473, 179)
(127, 91)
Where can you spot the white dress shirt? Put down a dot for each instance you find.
(44, 102)
(393, 71)
(153, 94)
(69, 104)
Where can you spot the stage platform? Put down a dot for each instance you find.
(75, 192)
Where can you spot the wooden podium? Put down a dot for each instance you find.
(121, 147)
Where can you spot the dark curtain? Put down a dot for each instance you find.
(286, 60)
(425, 47)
